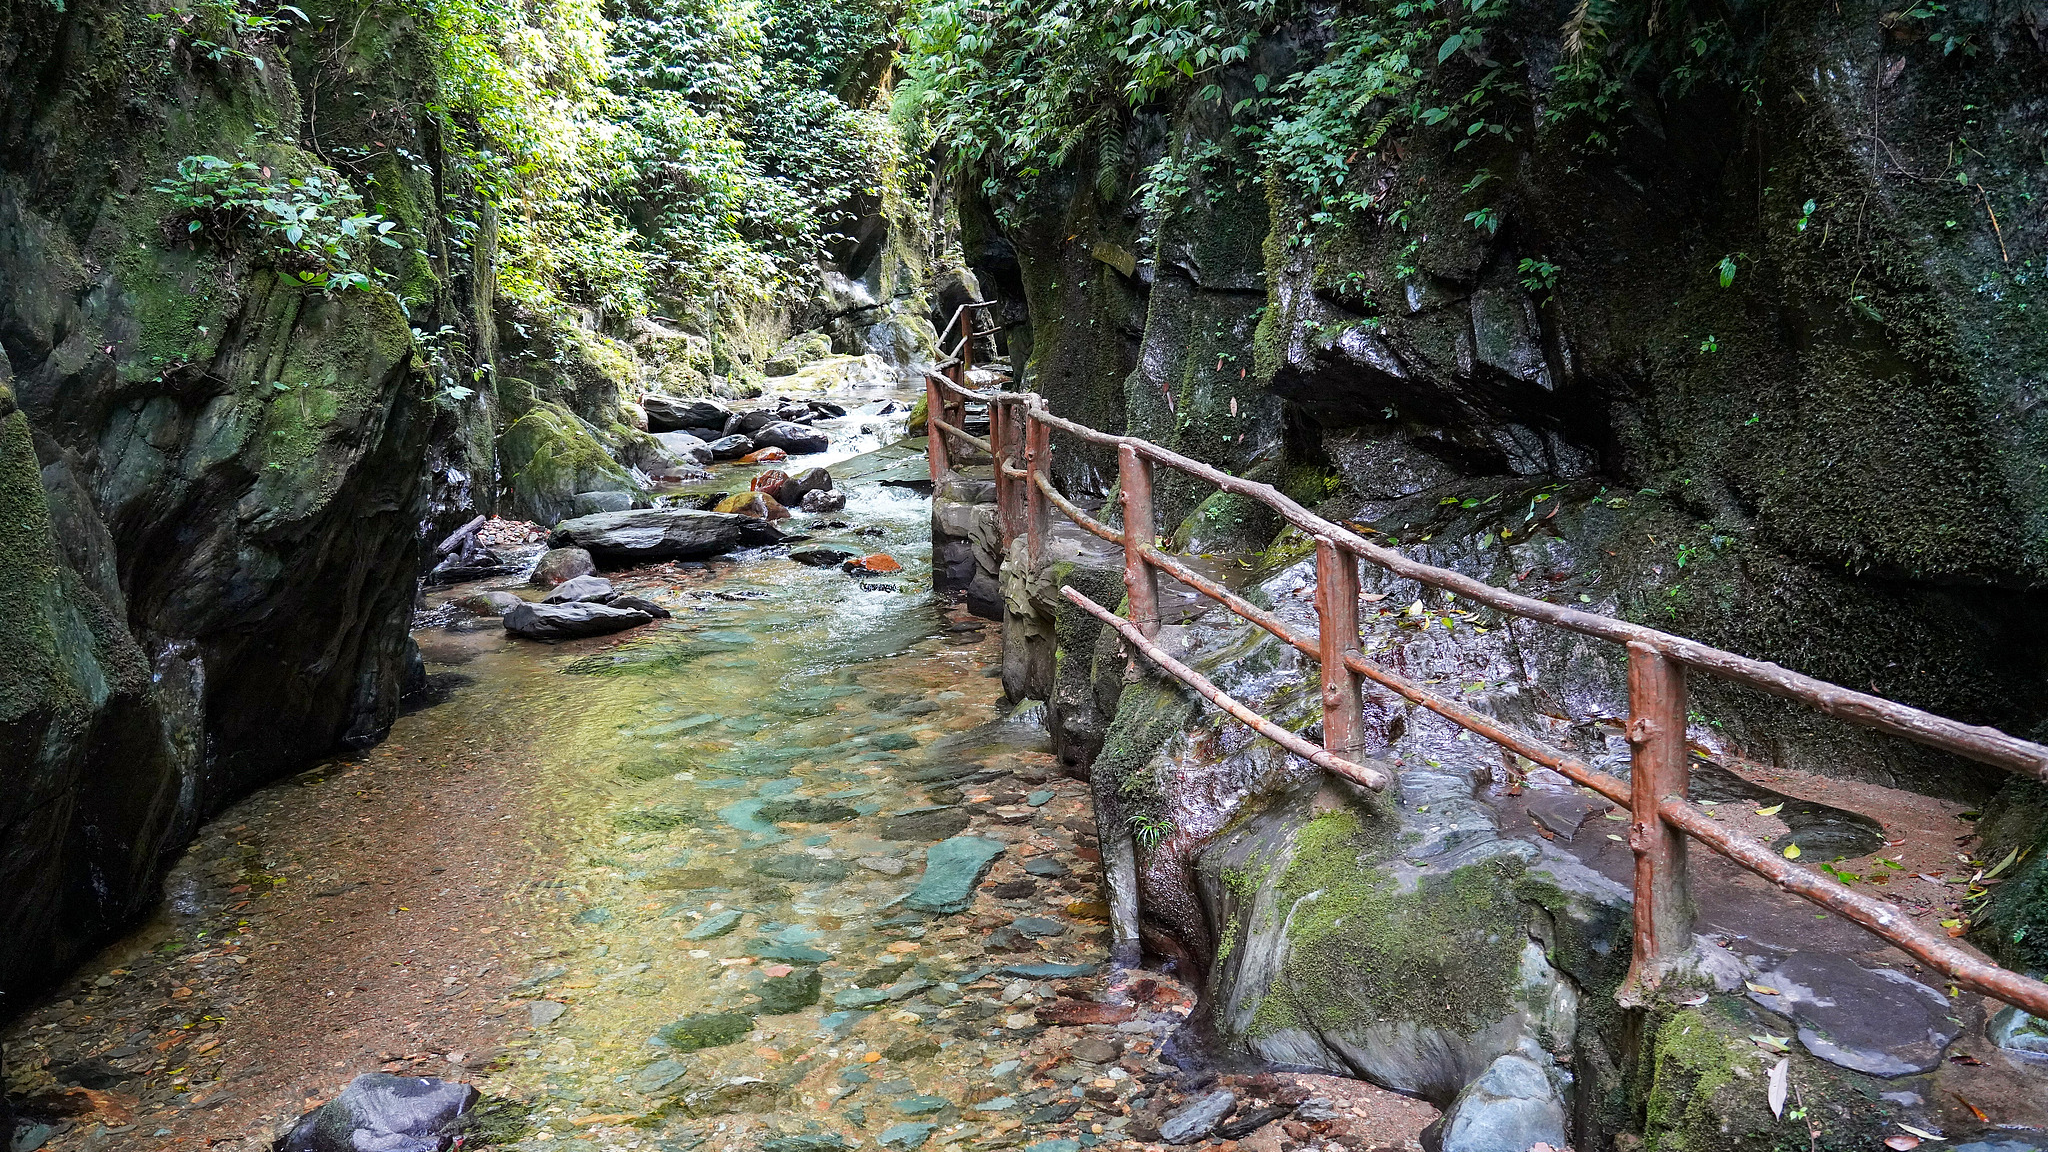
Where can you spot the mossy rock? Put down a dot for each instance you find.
(1706, 1090)
(547, 456)
(2012, 923)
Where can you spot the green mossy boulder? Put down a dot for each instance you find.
(548, 456)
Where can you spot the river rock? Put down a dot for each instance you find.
(685, 446)
(640, 604)
(808, 481)
(793, 992)
(580, 589)
(705, 1030)
(1870, 1020)
(773, 481)
(675, 413)
(795, 439)
(802, 868)
(491, 603)
(645, 535)
(1197, 1120)
(716, 924)
(559, 564)
(1509, 1108)
(759, 505)
(591, 503)
(801, 810)
(821, 557)
(906, 1136)
(383, 1113)
(926, 824)
(553, 622)
(823, 501)
(951, 870)
(731, 447)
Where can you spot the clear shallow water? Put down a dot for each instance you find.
(584, 860)
(723, 788)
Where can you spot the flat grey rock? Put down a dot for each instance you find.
(579, 589)
(951, 870)
(1197, 1120)
(552, 622)
(1509, 1108)
(643, 535)
(1870, 1020)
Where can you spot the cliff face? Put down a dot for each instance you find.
(1755, 358)
(1769, 323)
(212, 471)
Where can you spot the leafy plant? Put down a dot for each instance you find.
(310, 226)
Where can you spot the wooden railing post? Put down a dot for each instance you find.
(1037, 457)
(1142, 583)
(1658, 770)
(935, 409)
(1337, 611)
(966, 343)
(1010, 490)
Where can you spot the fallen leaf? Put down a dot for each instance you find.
(1901, 1143)
(1974, 1110)
(1774, 1043)
(1773, 810)
(1779, 1082)
(1965, 1058)
(1922, 1133)
(1372, 597)
(1761, 990)
(1791, 851)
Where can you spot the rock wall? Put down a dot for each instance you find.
(213, 469)
(1840, 446)
(1761, 368)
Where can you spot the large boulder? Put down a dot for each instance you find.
(731, 447)
(383, 1113)
(675, 414)
(644, 535)
(557, 565)
(549, 456)
(794, 439)
(1511, 1107)
(552, 622)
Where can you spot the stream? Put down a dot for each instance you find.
(649, 890)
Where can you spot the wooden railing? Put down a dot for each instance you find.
(1662, 819)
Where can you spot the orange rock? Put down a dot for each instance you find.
(878, 562)
(765, 456)
(770, 481)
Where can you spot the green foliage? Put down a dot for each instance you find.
(1016, 87)
(222, 31)
(310, 226)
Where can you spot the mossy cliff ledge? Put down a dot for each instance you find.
(212, 471)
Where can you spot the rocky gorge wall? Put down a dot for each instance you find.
(212, 471)
(1759, 367)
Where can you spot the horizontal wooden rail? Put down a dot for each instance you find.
(1371, 778)
(961, 434)
(1655, 730)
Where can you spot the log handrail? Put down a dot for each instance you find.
(1662, 820)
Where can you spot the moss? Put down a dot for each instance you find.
(547, 456)
(2012, 923)
(1363, 947)
(29, 568)
(1706, 1092)
(1226, 522)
